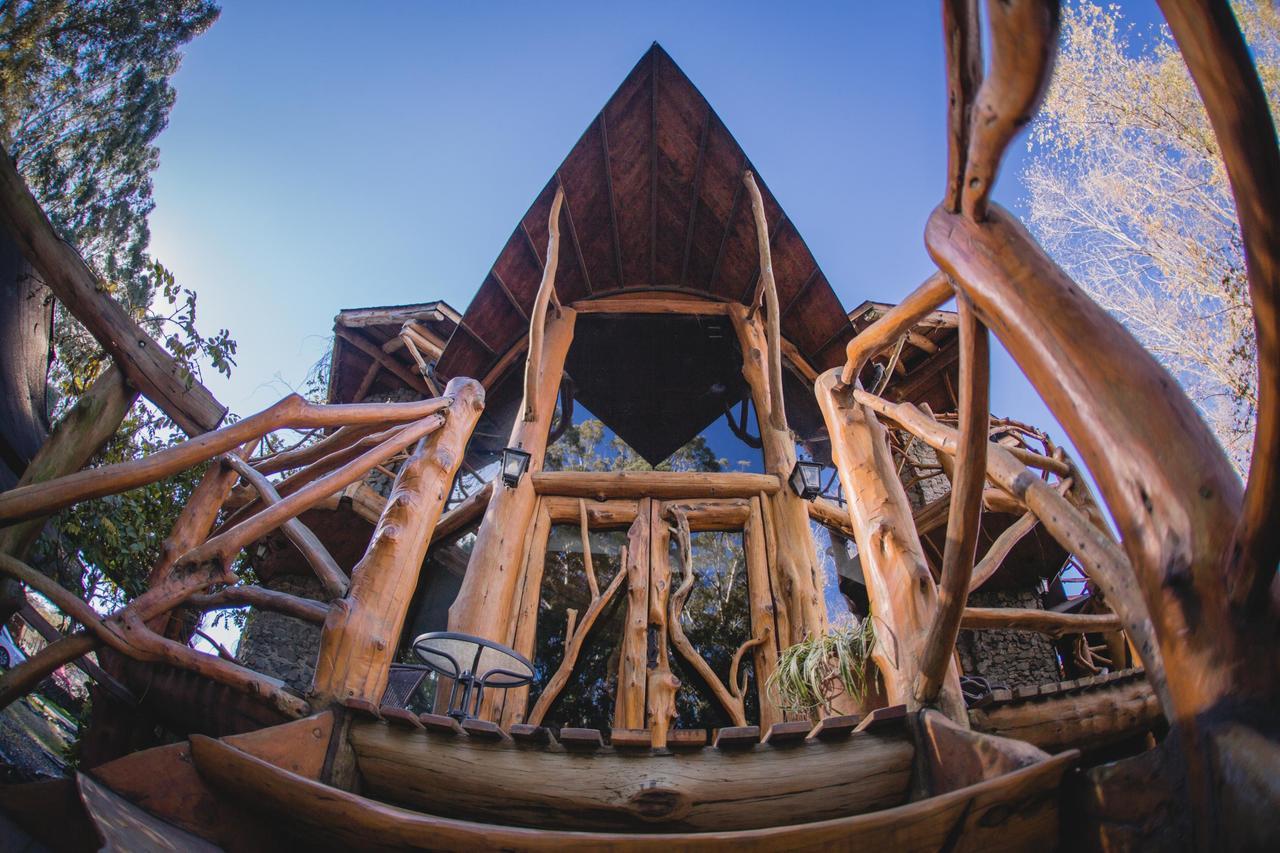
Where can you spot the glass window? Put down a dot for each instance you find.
(843, 588)
(587, 699)
(716, 619)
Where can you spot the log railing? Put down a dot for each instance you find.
(194, 569)
(1191, 575)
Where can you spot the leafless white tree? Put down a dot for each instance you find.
(1127, 191)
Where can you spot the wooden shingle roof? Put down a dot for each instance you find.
(654, 200)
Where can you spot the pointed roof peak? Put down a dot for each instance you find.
(653, 201)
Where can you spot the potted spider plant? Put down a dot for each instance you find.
(814, 673)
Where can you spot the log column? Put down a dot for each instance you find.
(485, 604)
(797, 573)
(361, 631)
(904, 599)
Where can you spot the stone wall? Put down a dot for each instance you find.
(1008, 658)
(279, 645)
(932, 485)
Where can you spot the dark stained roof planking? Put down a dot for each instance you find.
(653, 200)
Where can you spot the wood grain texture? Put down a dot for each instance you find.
(1024, 41)
(1223, 70)
(965, 516)
(1045, 622)
(1009, 813)
(902, 592)
(1104, 562)
(361, 631)
(1086, 719)
(704, 790)
(486, 602)
(651, 484)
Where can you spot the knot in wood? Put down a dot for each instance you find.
(655, 803)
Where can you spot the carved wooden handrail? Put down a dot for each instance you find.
(193, 569)
(896, 322)
(1194, 585)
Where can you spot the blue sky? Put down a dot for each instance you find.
(321, 157)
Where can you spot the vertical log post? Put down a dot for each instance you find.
(361, 631)
(904, 600)
(796, 569)
(966, 504)
(661, 683)
(628, 708)
(486, 602)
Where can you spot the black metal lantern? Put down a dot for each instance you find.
(806, 479)
(514, 463)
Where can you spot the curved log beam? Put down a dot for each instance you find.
(1103, 561)
(293, 412)
(1045, 622)
(26, 676)
(1024, 41)
(51, 635)
(1174, 496)
(768, 291)
(1000, 548)
(312, 472)
(1224, 72)
(128, 634)
(263, 599)
(538, 319)
(317, 556)
(965, 516)
(226, 545)
(897, 321)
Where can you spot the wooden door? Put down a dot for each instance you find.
(648, 643)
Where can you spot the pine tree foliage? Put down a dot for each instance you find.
(84, 93)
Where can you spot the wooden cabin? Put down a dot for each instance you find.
(657, 546)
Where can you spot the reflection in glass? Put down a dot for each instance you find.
(717, 620)
(843, 588)
(588, 697)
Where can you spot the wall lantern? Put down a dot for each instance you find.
(806, 479)
(514, 463)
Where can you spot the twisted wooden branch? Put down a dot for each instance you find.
(317, 556)
(293, 412)
(538, 319)
(730, 698)
(962, 31)
(263, 599)
(767, 292)
(1024, 41)
(577, 635)
(1103, 561)
(126, 632)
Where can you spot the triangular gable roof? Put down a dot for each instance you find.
(653, 200)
